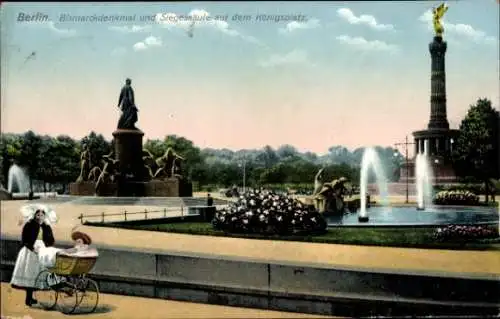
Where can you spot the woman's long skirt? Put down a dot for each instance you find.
(26, 269)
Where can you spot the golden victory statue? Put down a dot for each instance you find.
(438, 14)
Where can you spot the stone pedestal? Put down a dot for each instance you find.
(5, 195)
(170, 187)
(442, 171)
(128, 151)
(82, 189)
(88, 189)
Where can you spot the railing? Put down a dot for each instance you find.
(148, 214)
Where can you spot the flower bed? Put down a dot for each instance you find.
(456, 197)
(462, 233)
(268, 213)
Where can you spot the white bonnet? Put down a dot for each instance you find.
(28, 213)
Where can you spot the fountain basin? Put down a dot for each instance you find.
(411, 216)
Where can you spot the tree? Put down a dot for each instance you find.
(48, 160)
(287, 152)
(476, 153)
(64, 154)
(30, 155)
(156, 147)
(268, 157)
(186, 149)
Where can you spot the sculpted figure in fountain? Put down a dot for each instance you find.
(167, 164)
(329, 197)
(85, 160)
(94, 174)
(318, 182)
(108, 173)
(149, 164)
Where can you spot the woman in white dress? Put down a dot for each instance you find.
(36, 233)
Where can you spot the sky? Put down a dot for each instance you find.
(243, 74)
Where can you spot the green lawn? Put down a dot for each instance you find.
(418, 237)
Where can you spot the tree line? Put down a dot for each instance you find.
(55, 161)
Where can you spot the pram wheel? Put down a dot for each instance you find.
(44, 294)
(88, 295)
(67, 298)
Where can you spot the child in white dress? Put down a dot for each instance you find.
(47, 255)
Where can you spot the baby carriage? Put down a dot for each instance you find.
(67, 285)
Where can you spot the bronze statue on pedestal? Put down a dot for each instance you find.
(126, 103)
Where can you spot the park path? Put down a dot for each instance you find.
(125, 307)
(470, 263)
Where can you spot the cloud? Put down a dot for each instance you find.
(364, 19)
(367, 45)
(149, 42)
(293, 57)
(131, 29)
(295, 25)
(462, 30)
(201, 19)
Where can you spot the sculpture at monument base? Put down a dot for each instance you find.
(85, 160)
(107, 180)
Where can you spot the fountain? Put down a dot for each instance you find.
(424, 214)
(371, 160)
(423, 173)
(17, 180)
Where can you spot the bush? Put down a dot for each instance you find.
(475, 188)
(465, 232)
(268, 213)
(456, 197)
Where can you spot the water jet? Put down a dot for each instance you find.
(371, 160)
(17, 180)
(423, 174)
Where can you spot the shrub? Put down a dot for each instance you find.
(456, 197)
(465, 232)
(269, 213)
(475, 188)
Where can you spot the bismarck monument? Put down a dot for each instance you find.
(438, 138)
(129, 170)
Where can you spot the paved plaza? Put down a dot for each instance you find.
(125, 307)
(467, 263)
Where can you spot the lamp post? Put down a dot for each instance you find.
(406, 144)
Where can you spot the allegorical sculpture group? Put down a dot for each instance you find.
(162, 167)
